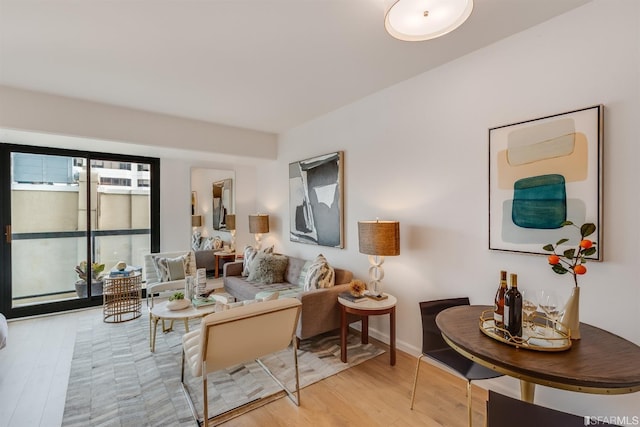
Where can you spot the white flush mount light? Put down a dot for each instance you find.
(417, 20)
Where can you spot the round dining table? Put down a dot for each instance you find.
(600, 362)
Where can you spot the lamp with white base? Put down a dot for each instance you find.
(258, 224)
(378, 239)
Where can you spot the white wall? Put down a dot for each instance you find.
(418, 153)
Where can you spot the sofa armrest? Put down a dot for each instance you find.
(321, 311)
(233, 268)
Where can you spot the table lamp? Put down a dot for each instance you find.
(231, 226)
(258, 224)
(378, 239)
(196, 220)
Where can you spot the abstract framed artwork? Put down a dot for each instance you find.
(544, 172)
(316, 203)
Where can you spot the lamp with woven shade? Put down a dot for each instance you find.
(378, 239)
(231, 226)
(258, 224)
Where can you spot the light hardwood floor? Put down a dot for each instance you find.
(34, 369)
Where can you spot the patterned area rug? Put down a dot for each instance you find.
(116, 381)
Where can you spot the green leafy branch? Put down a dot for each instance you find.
(571, 260)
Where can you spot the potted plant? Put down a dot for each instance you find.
(177, 301)
(96, 279)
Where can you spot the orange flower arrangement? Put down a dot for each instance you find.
(571, 261)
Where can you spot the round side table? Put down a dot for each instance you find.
(122, 298)
(364, 309)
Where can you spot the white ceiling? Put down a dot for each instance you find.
(260, 64)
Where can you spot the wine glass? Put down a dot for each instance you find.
(529, 307)
(550, 304)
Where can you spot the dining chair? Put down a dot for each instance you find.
(232, 337)
(435, 348)
(504, 411)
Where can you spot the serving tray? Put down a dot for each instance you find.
(541, 338)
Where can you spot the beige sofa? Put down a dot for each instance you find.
(320, 308)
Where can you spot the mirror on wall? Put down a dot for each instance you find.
(212, 198)
(222, 192)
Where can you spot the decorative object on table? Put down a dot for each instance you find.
(352, 298)
(416, 20)
(97, 270)
(231, 226)
(258, 224)
(378, 239)
(119, 271)
(542, 172)
(540, 338)
(316, 201)
(513, 308)
(498, 305)
(357, 287)
(201, 281)
(572, 261)
(178, 302)
(189, 287)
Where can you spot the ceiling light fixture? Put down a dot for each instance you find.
(418, 20)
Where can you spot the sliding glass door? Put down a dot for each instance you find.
(68, 218)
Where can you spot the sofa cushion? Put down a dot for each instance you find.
(320, 274)
(267, 268)
(169, 269)
(249, 254)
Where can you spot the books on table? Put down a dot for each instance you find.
(347, 295)
(128, 271)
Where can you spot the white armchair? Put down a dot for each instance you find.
(235, 336)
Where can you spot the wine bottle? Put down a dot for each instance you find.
(513, 308)
(498, 307)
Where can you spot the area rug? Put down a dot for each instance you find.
(116, 381)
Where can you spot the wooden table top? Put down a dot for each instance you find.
(600, 362)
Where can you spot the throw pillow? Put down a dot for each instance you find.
(207, 244)
(249, 254)
(320, 274)
(303, 273)
(196, 237)
(169, 269)
(267, 268)
(217, 243)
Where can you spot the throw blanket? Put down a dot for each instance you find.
(4, 331)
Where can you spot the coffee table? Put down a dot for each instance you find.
(159, 311)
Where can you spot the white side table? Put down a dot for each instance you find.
(364, 309)
(159, 311)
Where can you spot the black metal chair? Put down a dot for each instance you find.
(435, 347)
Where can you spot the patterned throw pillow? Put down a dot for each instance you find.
(303, 273)
(196, 237)
(207, 244)
(217, 243)
(249, 254)
(320, 275)
(268, 268)
(169, 269)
